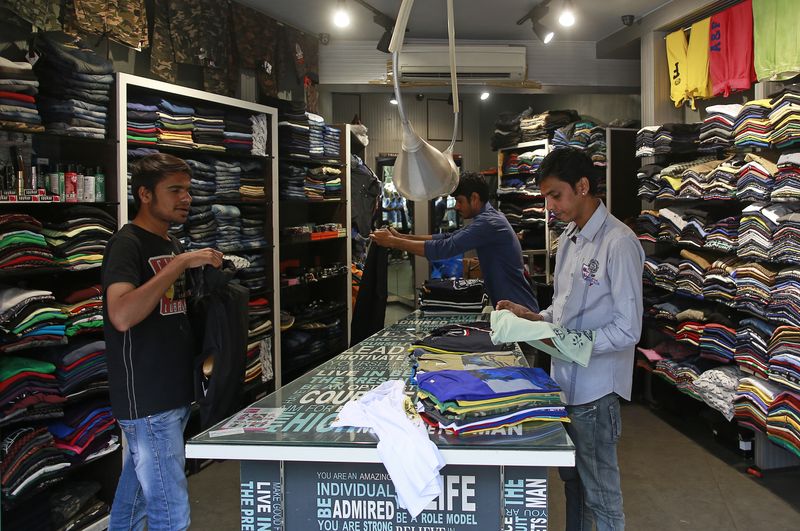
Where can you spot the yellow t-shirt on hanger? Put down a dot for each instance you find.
(698, 78)
(676, 61)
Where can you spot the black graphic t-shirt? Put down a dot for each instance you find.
(150, 365)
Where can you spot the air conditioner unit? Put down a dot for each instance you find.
(473, 63)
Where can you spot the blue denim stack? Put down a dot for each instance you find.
(331, 143)
(292, 181)
(202, 227)
(293, 133)
(228, 179)
(18, 90)
(75, 86)
(316, 136)
(229, 228)
(253, 222)
(252, 180)
(255, 276)
(204, 181)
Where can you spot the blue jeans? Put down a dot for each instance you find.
(592, 488)
(153, 482)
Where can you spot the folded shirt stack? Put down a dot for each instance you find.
(786, 239)
(648, 181)
(783, 418)
(323, 182)
(696, 179)
(506, 129)
(784, 118)
(721, 182)
(204, 182)
(85, 433)
(291, 181)
(75, 86)
(717, 129)
(252, 181)
(672, 223)
(719, 284)
(30, 463)
(786, 186)
(470, 401)
(650, 271)
(648, 225)
(693, 234)
(209, 128)
(723, 235)
(175, 125)
(644, 141)
(229, 228)
(316, 136)
(78, 236)
(19, 88)
(331, 140)
(452, 296)
(29, 390)
(81, 368)
(754, 284)
(667, 273)
(754, 397)
(201, 226)
(683, 373)
(22, 244)
(752, 341)
(294, 133)
(718, 341)
(753, 128)
(424, 361)
(691, 272)
(30, 318)
(228, 179)
(677, 138)
(756, 178)
(717, 388)
(758, 224)
(238, 135)
(142, 120)
(785, 370)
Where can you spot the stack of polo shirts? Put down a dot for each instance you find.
(783, 420)
(754, 397)
(426, 361)
(753, 287)
(689, 332)
(691, 273)
(452, 296)
(719, 283)
(30, 318)
(648, 225)
(677, 138)
(718, 339)
(209, 128)
(785, 369)
(723, 235)
(81, 369)
(785, 340)
(471, 401)
(759, 222)
(84, 309)
(142, 123)
(667, 273)
(294, 134)
(672, 224)
(752, 340)
(682, 373)
(461, 338)
(79, 236)
(85, 433)
(695, 179)
(331, 143)
(756, 178)
(238, 135)
(648, 181)
(787, 179)
(644, 141)
(29, 390)
(694, 232)
(752, 128)
(175, 125)
(784, 118)
(717, 129)
(650, 270)
(22, 245)
(18, 90)
(29, 463)
(786, 239)
(721, 182)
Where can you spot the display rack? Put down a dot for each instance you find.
(128, 88)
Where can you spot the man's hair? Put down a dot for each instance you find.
(568, 165)
(148, 171)
(472, 182)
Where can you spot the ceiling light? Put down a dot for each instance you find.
(567, 16)
(341, 18)
(393, 100)
(543, 32)
(484, 96)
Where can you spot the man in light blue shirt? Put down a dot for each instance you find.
(597, 286)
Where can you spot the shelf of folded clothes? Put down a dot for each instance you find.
(180, 151)
(303, 160)
(55, 137)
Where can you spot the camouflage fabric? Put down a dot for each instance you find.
(195, 32)
(310, 45)
(41, 13)
(255, 42)
(123, 21)
(290, 53)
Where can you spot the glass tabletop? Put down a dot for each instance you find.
(300, 413)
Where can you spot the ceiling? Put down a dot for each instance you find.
(474, 19)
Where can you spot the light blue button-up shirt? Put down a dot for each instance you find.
(598, 286)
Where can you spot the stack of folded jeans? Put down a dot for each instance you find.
(252, 181)
(79, 236)
(209, 128)
(228, 179)
(238, 136)
(142, 123)
(229, 227)
(253, 219)
(294, 134)
(292, 181)
(175, 125)
(204, 181)
(75, 84)
(202, 227)
(331, 143)
(254, 276)
(316, 136)
(180, 233)
(18, 90)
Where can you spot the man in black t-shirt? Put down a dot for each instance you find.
(149, 346)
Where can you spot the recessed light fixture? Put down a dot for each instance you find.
(393, 100)
(484, 96)
(341, 18)
(567, 16)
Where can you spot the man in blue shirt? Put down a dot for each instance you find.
(490, 234)
(597, 286)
